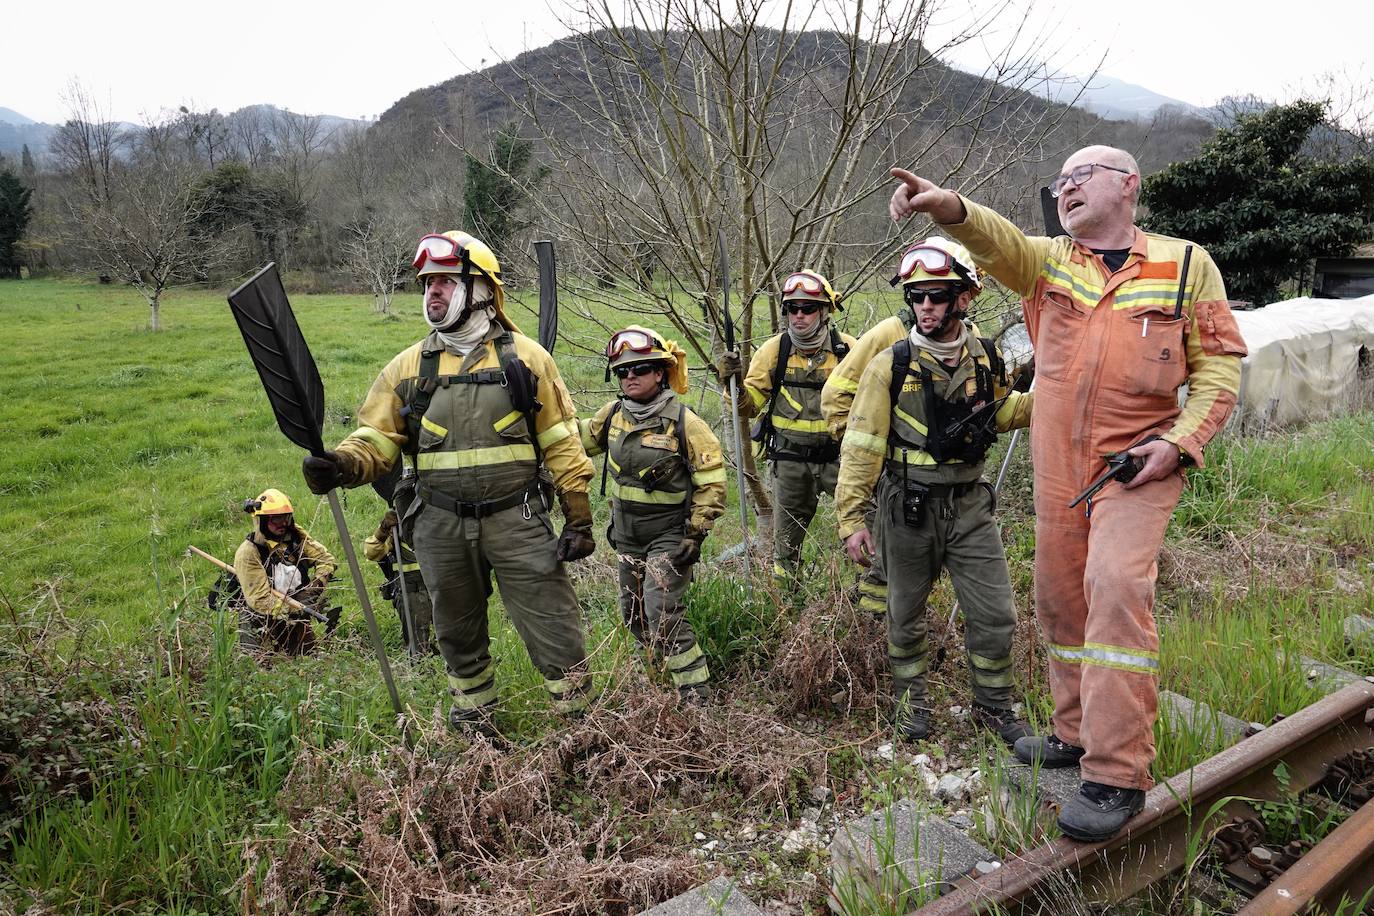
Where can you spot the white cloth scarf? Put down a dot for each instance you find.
(460, 341)
(945, 351)
(643, 411)
(473, 332)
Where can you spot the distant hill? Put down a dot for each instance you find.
(11, 116)
(1109, 97)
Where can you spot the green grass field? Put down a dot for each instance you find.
(150, 768)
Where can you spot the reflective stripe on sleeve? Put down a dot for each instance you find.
(714, 475)
(378, 440)
(866, 441)
(557, 433)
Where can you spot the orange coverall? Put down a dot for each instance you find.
(1110, 358)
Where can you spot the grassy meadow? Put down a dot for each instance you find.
(145, 766)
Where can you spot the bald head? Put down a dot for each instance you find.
(1100, 212)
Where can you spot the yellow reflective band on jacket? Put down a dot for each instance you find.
(915, 456)
(501, 424)
(639, 495)
(714, 475)
(390, 450)
(1142, 661)
(410, 567)
(911, 421)
(427, 423)
(866, 441)
(787, 396)
(683, 659)
(474, 457)
(800, 426)
(843, 383)
(758, 397)
(557, 433)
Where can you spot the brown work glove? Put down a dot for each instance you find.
(576, 542)
(688, 551)
(330, 470)
(1021, 380)
(731, 365)
(388, 525)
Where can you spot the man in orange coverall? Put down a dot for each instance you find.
(1113, 343)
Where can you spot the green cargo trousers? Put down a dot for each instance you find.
(873, 580)
(959, 533)
(458, 557)
(420, 607)
(651, 591)
(797, 488)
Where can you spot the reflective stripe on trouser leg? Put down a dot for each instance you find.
(569, 694)
(972, 552)
(1120, 664)
(873, 580)
(911, 557)
(476, 691)
(651, 602)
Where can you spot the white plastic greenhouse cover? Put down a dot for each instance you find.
(1304, 355)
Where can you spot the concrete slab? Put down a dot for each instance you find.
(720, 897)
(1359, 630)
(1053, 787)
(1177, 711)
(884, 860)
(1329, 676)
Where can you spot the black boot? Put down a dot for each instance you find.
(1002, 722)
(1048, 752)
(1099, 811)
(480, 720)
(911, 719)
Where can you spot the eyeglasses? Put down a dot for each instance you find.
(801, 308)
(637, 341)
(942, 296)
(638, 369)
(1080, 175)
(807, 283)
(438, 248)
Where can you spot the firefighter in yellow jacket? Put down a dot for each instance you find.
(926, 411)
(667, 478)
(784, 387)
(483, 415)
(278, 554)
(838, 395)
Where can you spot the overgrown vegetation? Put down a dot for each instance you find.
(149, 767)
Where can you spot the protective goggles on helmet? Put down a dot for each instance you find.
(807, 283)
(934, 261)
(633, 340)
(437, 248)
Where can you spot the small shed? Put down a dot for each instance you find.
(1345, 278)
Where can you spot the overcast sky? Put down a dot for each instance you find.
(355, 59)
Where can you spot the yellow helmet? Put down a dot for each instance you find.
(938, 259)
(456, 252)
(270, 502)
(808, 285)
(634, 345)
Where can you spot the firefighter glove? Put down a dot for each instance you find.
(731, 365)
(576, 542)
(1023, 377)
(389, 522)
(688, 550)
(325, 472)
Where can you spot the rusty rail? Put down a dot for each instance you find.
(1155, 842)
(1342, 865)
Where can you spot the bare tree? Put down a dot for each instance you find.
(681, 118)
(87, 144)
(377, 249)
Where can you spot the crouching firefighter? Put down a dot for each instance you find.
(667, 478)
(483, 417)
(404, 586)
(278, 554)
(784, 387)
(925, 413)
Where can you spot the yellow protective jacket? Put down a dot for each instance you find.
(1107, 383)
(843, 382)
(633, 448)
(253, 571)
(797, 415)
(473, 445)
(874, 417)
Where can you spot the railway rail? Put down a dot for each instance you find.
(1329, 742)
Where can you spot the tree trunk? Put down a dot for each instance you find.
(155, 312)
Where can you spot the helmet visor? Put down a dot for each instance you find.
(437, 248)
(635, 341)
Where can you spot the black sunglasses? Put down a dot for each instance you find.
(800, 308)
(942, 296)
(635, 370)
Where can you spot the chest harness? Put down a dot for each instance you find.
(522, 388)
(764, 432)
